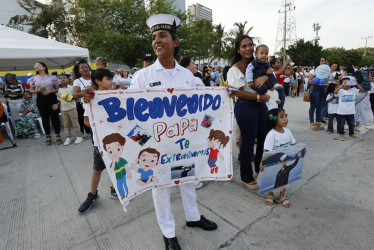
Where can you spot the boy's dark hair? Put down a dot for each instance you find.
(185, 62)
(270, 123)
(151, 151)
(64, 74)
(331, 88)
(349, 70)
(115, 137)
(261, 46)
(99, 75)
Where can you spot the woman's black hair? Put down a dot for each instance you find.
(224, 72)
(176, 49)
(185, 61)
(76, 68)
(270, 121)
(236, 56)
(99, 75)
(335, 62)
(317, 62)
(273, 60)
(331, 88)
(45, 66)
(12, 76)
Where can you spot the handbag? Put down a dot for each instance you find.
(307, 97)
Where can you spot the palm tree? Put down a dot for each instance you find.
(241, 29)
(219, 43)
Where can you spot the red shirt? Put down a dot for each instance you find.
(213, 153)
(280, 79)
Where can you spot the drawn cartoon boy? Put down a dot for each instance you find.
(217, 140)
(114, 145)
(147, 160)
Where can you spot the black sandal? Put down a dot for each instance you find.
(48, 140)
(58, 140)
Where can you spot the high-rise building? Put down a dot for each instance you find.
(180, 5)
(200, 12)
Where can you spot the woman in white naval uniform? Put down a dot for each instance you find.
(167, 73)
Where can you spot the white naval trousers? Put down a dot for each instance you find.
(161, 200)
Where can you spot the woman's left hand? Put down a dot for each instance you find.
(260, 81)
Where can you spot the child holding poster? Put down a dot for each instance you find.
(279, 136)
(102, 80)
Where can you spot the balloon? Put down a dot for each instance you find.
(322, 81)
(315, 80)
(322, 71)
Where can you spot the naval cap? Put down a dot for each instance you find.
(283, 157)
(163, 22)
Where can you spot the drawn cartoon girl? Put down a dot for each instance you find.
(217, 140)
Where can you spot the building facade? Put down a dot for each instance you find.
(200, 12)
(10, 8)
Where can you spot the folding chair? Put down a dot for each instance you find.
(6, 126)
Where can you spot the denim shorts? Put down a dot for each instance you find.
(98, 163)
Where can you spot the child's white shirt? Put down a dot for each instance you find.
(333, 105)
(275, 140)
(347, 100)
(87, 112)
(274, 97)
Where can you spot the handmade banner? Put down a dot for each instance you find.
(163, 137)
(282, 167)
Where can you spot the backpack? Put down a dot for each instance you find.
(365, 80)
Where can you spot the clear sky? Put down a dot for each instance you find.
(343, 22)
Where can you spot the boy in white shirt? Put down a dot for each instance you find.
(68, 109)
(346, 107)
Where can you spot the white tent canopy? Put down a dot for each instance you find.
(20, 51)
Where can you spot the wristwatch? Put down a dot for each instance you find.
(258, 97)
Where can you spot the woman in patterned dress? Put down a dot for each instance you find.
(25, 124)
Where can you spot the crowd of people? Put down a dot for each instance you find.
(257, 82)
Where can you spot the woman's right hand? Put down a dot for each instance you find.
(86, 94)
(288, 61)
(264, 98)
(262, 168)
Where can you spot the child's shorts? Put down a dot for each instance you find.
(98, 163)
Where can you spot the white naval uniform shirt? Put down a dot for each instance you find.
(156, 76)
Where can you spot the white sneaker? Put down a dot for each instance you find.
(369, 126)
(78, 140)
(278, 86)
(67, 142)
(36, 136)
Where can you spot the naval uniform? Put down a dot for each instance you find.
(156, 76)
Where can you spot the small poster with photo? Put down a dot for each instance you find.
(281, 167)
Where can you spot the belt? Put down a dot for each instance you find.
(118, 170)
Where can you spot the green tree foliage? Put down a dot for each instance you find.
(196, 38)
(304, 52)
(51, 21)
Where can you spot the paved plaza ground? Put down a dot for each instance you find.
(332, 205)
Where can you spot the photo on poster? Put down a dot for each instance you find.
(178, 172)
(207, 121)
(139, 135)
(281, 167)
